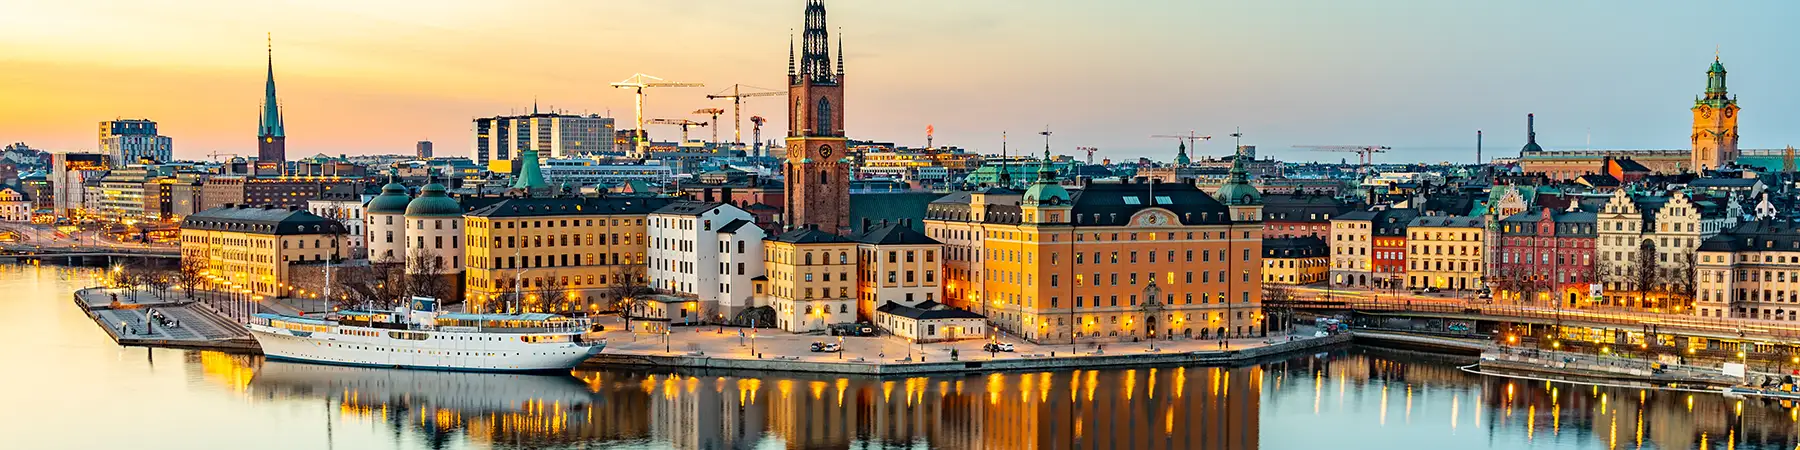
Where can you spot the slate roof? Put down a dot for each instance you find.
(1723, 183)
(687, 208)
(734, 226)
(1294, 247)
(262, 220)
(1098, 203)
(1299, 207)
(570, 206)
(926, 314)
(1392, 222)
(1629, 165)
(1446, 222)
(893, 234)
(1769, 235)
(807, 235)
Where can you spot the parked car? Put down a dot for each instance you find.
(826, 347)
(997, 347)
(852, 329)
(1432, 290)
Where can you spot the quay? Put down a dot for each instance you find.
(125, 318)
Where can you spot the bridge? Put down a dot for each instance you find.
(1551, 316)
(84, 254)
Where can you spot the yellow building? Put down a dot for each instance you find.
(1444, 252)
(556, 254)
(810, 276)
(1295, 260)
(1715, 134)
(897, 265)
(251, 248)
(1108, 261)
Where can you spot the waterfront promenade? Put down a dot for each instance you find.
(125, 317)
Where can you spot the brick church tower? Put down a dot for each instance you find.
(817, 166)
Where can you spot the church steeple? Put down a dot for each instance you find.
(271, 136)
(1715, 81)
(1181, 156)
(271, 108)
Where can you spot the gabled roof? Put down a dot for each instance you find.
(893, 234)
(926, 314)
(808, 235)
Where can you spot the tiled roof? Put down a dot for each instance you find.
(807, 235)
(263, 220)
(893, 234)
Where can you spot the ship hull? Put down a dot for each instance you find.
(442, 351)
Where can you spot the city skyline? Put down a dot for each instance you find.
(360, 78)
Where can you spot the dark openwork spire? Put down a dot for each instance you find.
(815, 45)
(790, 52)
(840, 55)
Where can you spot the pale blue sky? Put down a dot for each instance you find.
(1418, 75)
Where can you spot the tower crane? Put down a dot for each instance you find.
(1365, 154)
(737, 97)
(683, 123)
(1191, 138)
(714, 112)
(638, 83)
(1090, 152)
(756, 123)
(215, 155)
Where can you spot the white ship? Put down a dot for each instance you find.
(418, 337)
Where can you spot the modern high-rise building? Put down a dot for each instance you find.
(424, 150)
(502, 138)
(271, 136)
(68, 172)
(817, 166)
(130, 141)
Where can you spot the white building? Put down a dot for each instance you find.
(386, 224)
(929, 322)
(69, 174)
(434, 233)
(15, 205)
(587, 172)
(350, 213)
(709, 251)
(555, 135)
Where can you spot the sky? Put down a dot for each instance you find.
(1421, 76)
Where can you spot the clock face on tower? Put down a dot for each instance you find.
(825, 151)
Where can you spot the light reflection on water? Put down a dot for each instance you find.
(84, 392)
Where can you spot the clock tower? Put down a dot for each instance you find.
(1715, 134)
(818, 166)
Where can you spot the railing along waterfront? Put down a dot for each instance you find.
(1743, 328)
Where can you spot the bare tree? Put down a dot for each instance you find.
(625, 287)
(191, 275)
(1681, 285)
(550, 293)
(1643, 280)
(158, 280)
(425, 275)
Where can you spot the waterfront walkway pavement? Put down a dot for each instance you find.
(128, 322)
(771, 344)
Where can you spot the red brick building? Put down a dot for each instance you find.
(1546, 254)
(818, 163)
(1387, 248)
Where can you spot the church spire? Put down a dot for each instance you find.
(1715, 80)
(790, 52)
(840, 55)
(270, 125)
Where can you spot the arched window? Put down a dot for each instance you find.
(823, 116)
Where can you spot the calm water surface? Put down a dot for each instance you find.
(68, 386)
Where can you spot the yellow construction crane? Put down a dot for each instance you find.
(714, 112)
(638, 82)
(737, 97)
(1365, 153)
(683, 123)
(1191, 138)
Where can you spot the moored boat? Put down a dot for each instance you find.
(419, 337)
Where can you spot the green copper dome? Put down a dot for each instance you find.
(393, 200)
(433, 201)
(1237, 190)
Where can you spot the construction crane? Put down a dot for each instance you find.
(215, 155)
(683, 123)
(737, 97)
(714, 112)
(1090, 152)
(756, 122)
(1365, 153)
(1191, 138)
(638, 82)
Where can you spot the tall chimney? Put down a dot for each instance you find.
(1530, 128)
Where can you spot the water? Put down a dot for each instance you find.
(68, 386)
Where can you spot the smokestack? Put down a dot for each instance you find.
(1478, 146)
(1530, 128)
